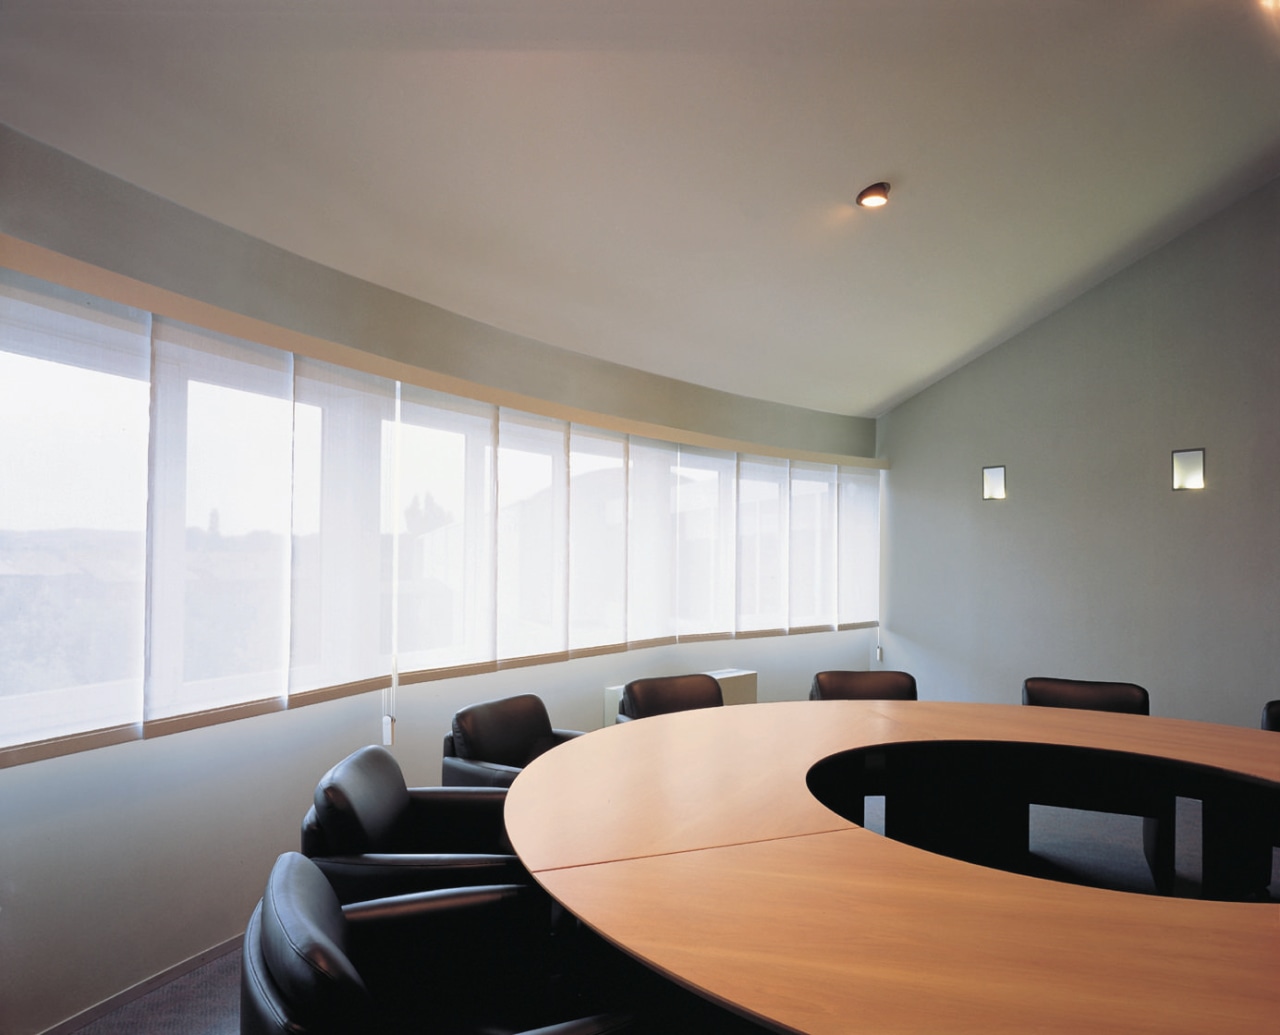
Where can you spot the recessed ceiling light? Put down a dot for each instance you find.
(874, 196)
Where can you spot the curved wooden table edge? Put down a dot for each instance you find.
(693, 843)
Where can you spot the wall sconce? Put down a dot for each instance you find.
(1188, 468)
(993, 483)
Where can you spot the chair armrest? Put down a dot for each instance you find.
(453, 935)
(444, 800)
(600, 1024)
(461, 772)
(363, 878)
(396, 909)
(563, 735)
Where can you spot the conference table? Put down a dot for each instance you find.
(692, 842)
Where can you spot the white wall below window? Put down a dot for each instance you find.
(120, 863)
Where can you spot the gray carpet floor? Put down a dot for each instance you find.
(1082, 847)
(204, 1001)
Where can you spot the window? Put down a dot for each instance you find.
(812, 553)
(190, 522)
(221, 504)
(597, 538)
(439, 505)
(859, 545)
(74, 401)
(706, 518)
(341, 584)
(651, 540)
(533, 529)
(763, 512)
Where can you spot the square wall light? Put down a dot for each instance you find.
(993, 483)
(1188, 468)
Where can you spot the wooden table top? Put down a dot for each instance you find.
(692, 841)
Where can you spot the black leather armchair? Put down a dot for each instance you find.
(661, 694)
(1158, 810)
(879, 685)
(492, 741)
(1095, 695)
(372, 836)
(467, 961)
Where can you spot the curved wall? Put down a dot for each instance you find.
(59, 203)
(125, 862)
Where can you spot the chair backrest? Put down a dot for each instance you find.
(863, 686)
(662, 694)
(1271, 716)
(1090, 694)
(361, 802)
(511, 731)
(297, 974)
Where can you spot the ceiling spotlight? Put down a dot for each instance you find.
(874, 196)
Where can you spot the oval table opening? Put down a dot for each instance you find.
(971, 800)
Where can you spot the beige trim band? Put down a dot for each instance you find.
(210, 717)
(20, 754)
(36, 261)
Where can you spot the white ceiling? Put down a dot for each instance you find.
(668, 183)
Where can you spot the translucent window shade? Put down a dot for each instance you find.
(438, 502)
(340, 585)
(533, 532)
(763, 538)
(74, 401)
(221, 512)
(302, 525)
(651, 542)
(706, 508)
(813, 564)
(859, 538)
(597, 538)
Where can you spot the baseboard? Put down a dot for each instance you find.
(137, 991)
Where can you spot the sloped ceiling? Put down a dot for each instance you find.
(668, 184)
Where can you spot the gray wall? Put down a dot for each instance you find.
(52, 200)
(1093, 567)
(120, 863)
